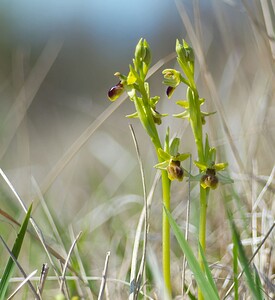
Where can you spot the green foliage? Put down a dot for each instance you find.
(15, 251)
(252, 276)
(205, 282)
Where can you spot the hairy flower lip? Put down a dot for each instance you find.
(175, 171)
(115, 91)
(169, 91)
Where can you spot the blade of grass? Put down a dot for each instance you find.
(206, 287)
(235, 271)
(15, 251)
(208, 272)
(256, 292)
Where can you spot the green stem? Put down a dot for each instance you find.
(166, 234)
(165, 228)
(196, 124)
(147, 121)
(202, 229)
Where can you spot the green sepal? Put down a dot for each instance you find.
(162, 166)
(183, 103)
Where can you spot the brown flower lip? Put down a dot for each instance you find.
(210, 179)
(115, 91)
(175, 171)
(170, 91)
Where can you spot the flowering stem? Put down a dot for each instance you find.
(196, 124)
(166, 233)
(202, 229)
(150, 127)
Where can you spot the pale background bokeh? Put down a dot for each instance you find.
(57, 60)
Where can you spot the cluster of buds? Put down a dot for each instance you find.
(136, 87)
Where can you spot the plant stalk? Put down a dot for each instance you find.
(166, 233)
(202, 230)
(150, 127)
(196, 124)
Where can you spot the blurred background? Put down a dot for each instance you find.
(62, 139)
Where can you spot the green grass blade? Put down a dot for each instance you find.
(205, 286)
(258, 284)
(255, 290)
(208, 272)
(235, 271)
(15, 250)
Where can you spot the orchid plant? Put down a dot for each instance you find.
(167, 152)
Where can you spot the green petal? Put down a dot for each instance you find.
(183, 115)
(174, 146)
(195, 178)
(224, 179)
(182, 156)
(133, 115)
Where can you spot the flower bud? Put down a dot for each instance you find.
(115, 91)
(209, 179)
(171, 77)
(147, 53)
(175, 171)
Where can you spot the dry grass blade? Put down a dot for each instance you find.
(42, 279)
(265, 188)
(28, 91)
(139, 230)
(9, 217)
(48, 214)
(47, 248)
(104, 277)
(136, 280)
(268, 13)
(36, 228)
(251, 259)
(22, 284)
(20, 268)
(67, 262)
(83, 275)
